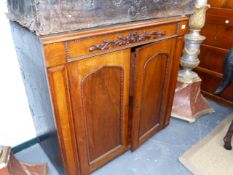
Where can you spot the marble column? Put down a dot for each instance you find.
(188, 103)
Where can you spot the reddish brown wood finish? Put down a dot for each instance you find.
(78, 48)
(174, 73)
(102, 93)
(221, 3)
(55, 54)
(216, 36)
(91, 90)
(213, 83)
(151, 80)
(218, 30)
(212, 58)
(99, 91)
(61, 101)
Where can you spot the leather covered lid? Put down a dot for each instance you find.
(54, 16)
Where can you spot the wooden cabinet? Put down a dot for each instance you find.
(217, 30)
(111, 88)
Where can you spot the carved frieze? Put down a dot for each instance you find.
(133, 37)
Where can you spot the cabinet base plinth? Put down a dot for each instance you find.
(188, 103)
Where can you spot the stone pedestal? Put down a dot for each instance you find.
(9, 165)
(188, 103)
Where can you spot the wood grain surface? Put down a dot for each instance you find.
(151, 78)
(99, 91)
(218, 29)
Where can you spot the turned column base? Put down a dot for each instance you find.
(9, 165)
(188, 103)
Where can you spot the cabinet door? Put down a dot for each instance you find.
(99, 88)
(152, 69)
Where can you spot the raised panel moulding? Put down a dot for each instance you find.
(102, 99)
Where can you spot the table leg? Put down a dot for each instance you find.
(227, 138)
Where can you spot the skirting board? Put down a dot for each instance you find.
(25, 145)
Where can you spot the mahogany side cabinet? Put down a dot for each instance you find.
(97, 93)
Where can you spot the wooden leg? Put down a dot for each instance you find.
(227, 138)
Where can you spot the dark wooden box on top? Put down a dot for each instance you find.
(54, 16)
(96, 92)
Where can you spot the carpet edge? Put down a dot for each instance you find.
(184, 157)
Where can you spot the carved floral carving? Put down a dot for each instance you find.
(133, 37)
